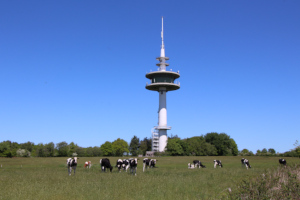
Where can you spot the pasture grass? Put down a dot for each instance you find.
(47, 178)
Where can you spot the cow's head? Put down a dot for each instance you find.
(75, 159)
(153, 162)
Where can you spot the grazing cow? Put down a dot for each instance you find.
(152, 163)
(105, 163)
(133, 165)
(119, 164)
(148, 163)
(88, 164)
(72, 164)
(242, 161)
(198, 163)
(282, 161)
(125, 164)
(217, 162)
(191, 166)
(245, 162)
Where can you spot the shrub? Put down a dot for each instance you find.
(283, 183)
(23, 153)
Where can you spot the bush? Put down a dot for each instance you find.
(23, 153)
(283, 183)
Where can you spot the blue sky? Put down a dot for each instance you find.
(75, 70)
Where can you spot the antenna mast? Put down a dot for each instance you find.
(162, 51)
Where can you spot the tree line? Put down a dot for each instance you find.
(118, 147)
(211, 144)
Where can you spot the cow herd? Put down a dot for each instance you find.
(131, 164)
(124, 164)
(245, 162)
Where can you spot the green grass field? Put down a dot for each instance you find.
(47, 178)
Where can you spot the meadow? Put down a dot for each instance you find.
(47, 178)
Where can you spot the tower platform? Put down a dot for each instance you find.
(164, 79)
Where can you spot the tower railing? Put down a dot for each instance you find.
(175, 82)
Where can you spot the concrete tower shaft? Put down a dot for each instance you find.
(162, 111)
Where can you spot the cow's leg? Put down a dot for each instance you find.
(69, 171)
(144, 165)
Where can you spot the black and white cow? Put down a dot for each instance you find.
(133, 165)
(245, 162)
(217, 162)
(72, 164)
(198, 164)
(119, 164)
(242, 162)
(105, 163)
(125, 164)
(152, 163)
(148, 163)
(282, 161)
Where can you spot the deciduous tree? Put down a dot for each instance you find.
(271, 151)
(134, 145)
(145, 145)
(107, 149)
(120, 147)
(174, 148)
(223, 143)
(62, 149)
(28, 146)
(264, 150)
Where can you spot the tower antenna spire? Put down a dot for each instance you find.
(162, 51)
